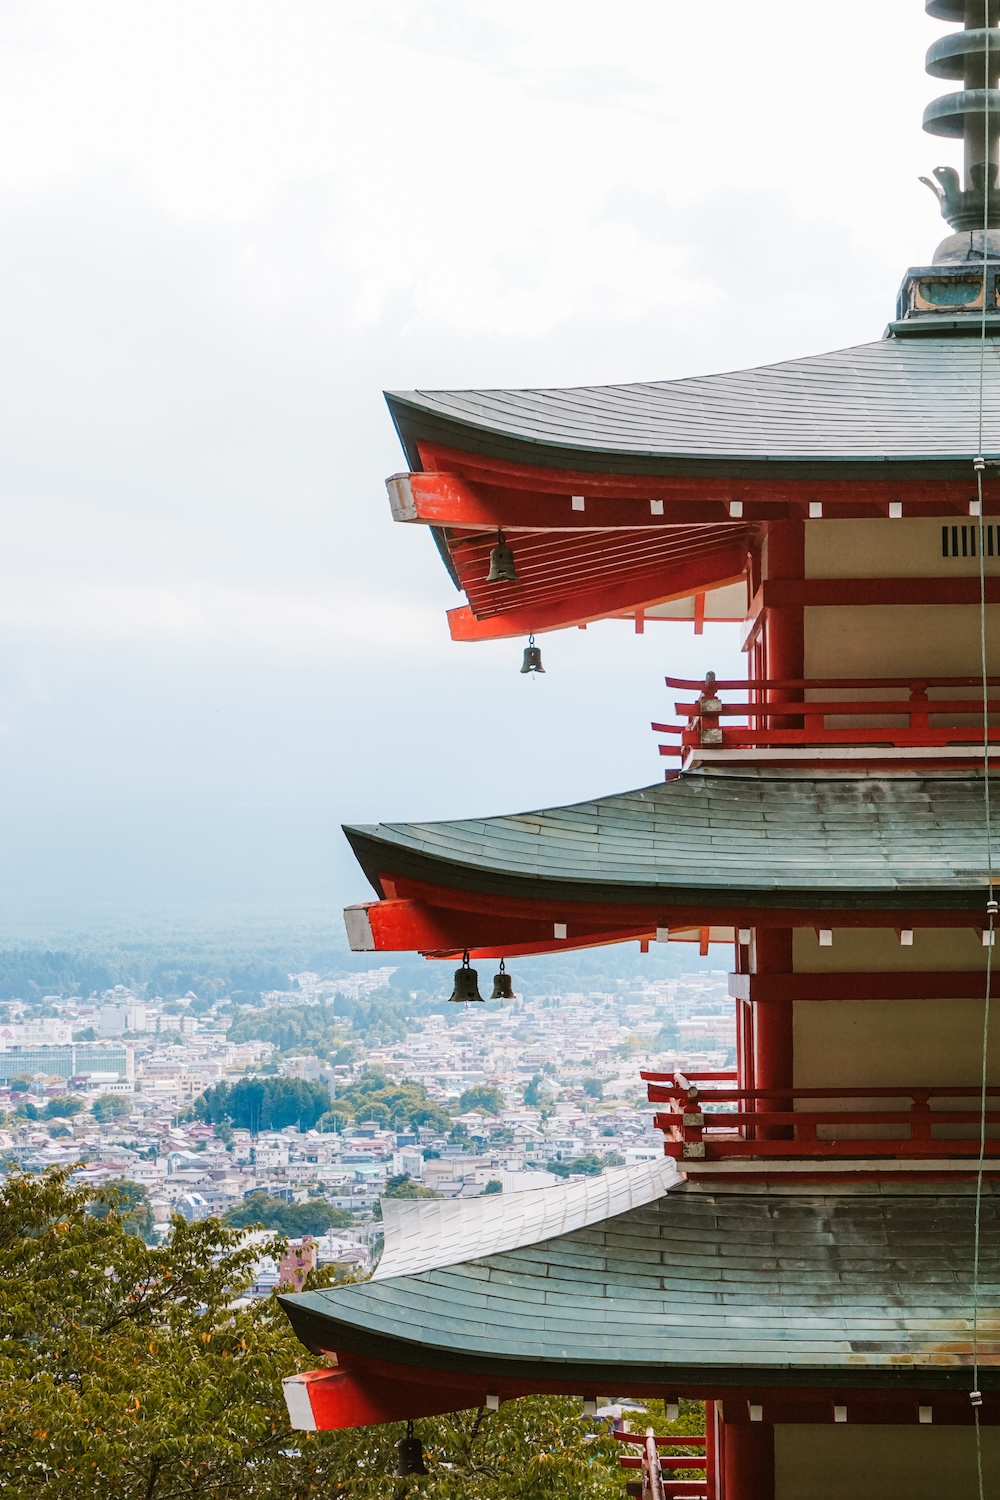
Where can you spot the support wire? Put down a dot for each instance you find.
(991, 905)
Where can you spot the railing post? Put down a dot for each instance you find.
(920, 1116)
(918, 720)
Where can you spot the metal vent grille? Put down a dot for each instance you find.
(963, 541)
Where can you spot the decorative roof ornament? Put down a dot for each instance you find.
(973, 114)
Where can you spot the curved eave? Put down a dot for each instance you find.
(698, 1288)
(897, 408)
(734, 842)
(416, 426)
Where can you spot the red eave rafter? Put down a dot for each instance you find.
(477, 483)
(572, 580)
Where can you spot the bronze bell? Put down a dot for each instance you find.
(466, 984)
(410, 1455)
(503, 985)
(532, 657)
(502, 569)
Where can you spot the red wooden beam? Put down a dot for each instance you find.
(786, 593)
(646, 917)
(848, 496)
(924, 985)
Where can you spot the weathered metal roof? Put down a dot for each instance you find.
(421, 1235)
(896, 402)
(865, 1287)
(763, 838)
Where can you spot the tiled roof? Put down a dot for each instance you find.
(897, 400)
(822, 841)
(860, 1285)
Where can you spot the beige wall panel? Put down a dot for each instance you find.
(862, 950)
(843, 1462)
(882, 640)
(887, 549)
(885, 1043)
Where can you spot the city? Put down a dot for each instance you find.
(516, 1096)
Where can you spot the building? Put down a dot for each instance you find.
(298, 1260)
(77, 1060)
(816, 1255)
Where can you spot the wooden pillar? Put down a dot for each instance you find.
(784, 632)
(747, 1461)
(773, 1042)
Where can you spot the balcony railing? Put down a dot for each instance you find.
(655, 1457)
(768, 1123)
(774, 714)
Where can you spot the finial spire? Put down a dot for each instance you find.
(973, 55)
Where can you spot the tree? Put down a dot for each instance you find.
(481, 1096)
(63, 1107)
(315, 1217)
(593, 1088)
(403, 1187)
(264, 1103)
(533, 1091)
(130, 1201)
(402, 1106)
(108, 1107)
(137, 1373)
(493, 1186)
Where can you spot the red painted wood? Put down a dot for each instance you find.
(612, 591)
(922, 985)
(773, 1040)
(794, 593)
(405, 1385)
(848, 497)
(747, 1459)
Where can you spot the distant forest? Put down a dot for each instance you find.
(241, 964)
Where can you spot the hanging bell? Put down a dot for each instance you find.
(503, 985)
(532, 657)
(410, 1455)
(502, 569)
(466, 983)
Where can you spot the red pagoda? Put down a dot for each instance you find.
(817, 1256)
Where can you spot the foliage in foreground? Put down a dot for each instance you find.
(127, 1373)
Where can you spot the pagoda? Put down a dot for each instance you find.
(816, 1257)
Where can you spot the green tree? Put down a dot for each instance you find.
(130, 1201)
(593, 1088)
(481, 1096)
(403, 1106)
(533, 1091)
(403, 1187)
(293, 1219)
(108, 1107)
(493, 1186)
(63, 1107)
(136, 1373)
(264, 1103)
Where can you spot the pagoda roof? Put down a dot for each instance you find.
(897, 401)
(868, 1285)
(757, 838)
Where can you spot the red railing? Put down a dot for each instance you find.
(766, 1122)
(652, 1462)
(796, 714)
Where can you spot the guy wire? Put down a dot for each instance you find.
(980, 466)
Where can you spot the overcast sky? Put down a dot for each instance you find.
(225, 227)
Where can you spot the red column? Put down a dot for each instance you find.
(747, 1461)
(783, 629)
(773, 1047)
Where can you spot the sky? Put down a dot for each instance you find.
(225, 227)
